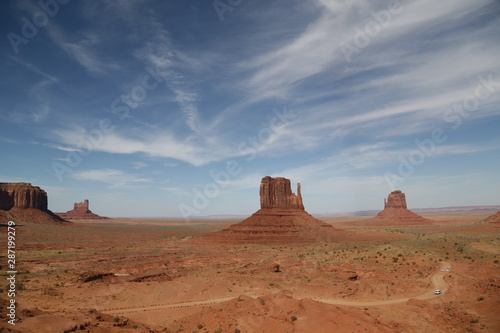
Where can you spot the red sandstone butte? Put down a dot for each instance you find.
(396, 212)
(81, 211)
(281, 219)
(23, 202)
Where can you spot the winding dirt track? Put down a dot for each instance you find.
(437, 282)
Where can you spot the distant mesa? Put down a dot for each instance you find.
(23, 202)
(396, 212)
(495, 218)
(81, 211)
(280, 219)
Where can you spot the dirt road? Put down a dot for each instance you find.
(437, 282)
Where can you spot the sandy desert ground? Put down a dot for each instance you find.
(158, 275)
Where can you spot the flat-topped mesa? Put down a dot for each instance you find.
(25, 203)
(22, 195)
(396, 199)
(277, 193)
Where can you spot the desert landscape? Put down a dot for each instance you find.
(166, 275)
(232, 166)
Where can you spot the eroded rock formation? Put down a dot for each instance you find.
(25, 203)
(81, 211)
(396, 199)
(277, 193)
(22, 195)
(281, 219)
(396, 212)
(495, 218)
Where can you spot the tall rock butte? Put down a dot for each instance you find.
(81, 211)
(25, 203)
(396, 212)
(281, 219)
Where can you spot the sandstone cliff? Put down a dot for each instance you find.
(396, 199)
(22, 195)
(23, 202)
(277, 193)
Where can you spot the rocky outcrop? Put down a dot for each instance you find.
(22, 195)
(495, 218)
(277, 193)
(81, 211)
(396, 199)
(396, 212)
(24, 202)
(281, 219)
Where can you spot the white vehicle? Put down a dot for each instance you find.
(437, 292)
(448, 267)
(442, 270)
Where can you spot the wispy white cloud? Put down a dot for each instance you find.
(116, 178)
(60, 147)
(33, 68)
(138, 165)
(83, 49)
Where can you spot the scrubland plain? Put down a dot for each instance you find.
(159, 275)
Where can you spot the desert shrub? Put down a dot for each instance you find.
(200, 326)
(481, 298)
(237, 330)
(474, 321)
(116, 319)
(293, 318)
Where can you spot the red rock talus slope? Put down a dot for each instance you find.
(396, 213)
(281, 219)
(23, 202)
(495, 218)
(81, 211)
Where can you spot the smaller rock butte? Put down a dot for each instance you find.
(396, 212)
(81, 211)
(25, 203)
(281, 219)
(495, 218)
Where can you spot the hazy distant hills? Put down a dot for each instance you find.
(439, 210)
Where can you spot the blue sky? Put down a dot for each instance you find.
(179, 108)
